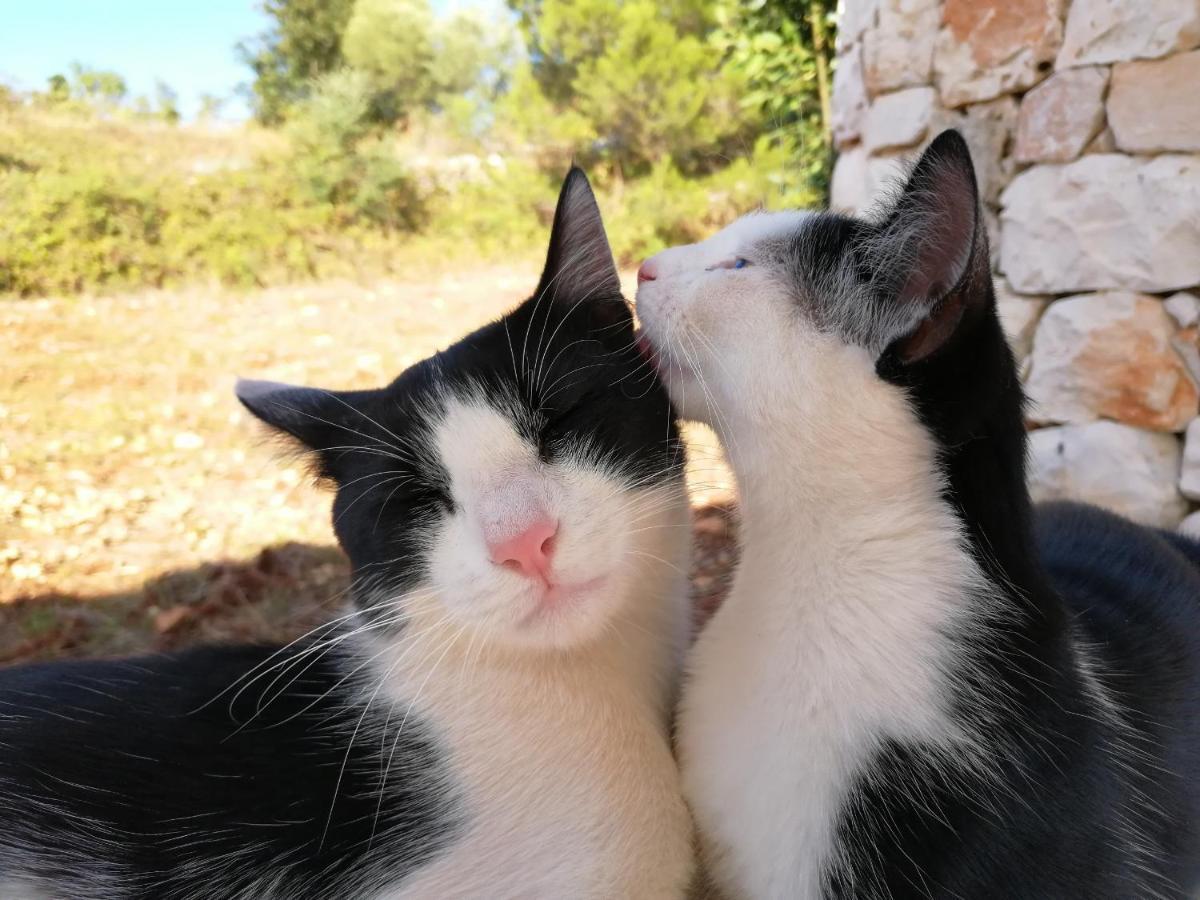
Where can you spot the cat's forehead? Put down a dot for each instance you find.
(761, 227)
(478, 424)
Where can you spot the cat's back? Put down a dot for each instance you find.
(163, 775)
(1126, 583)
(1133, 593)
(287, 773)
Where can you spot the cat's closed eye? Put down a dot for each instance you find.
(557, 423)
(734, 262)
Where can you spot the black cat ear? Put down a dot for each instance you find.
(934, 248)
(301, 412)
(579, 263)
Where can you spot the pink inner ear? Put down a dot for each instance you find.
(943, 255)
(934, 331)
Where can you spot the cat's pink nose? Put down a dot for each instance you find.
(647, 271)
(529, 552)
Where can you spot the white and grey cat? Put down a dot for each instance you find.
(488, 721)
(919, 687)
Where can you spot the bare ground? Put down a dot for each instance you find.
(140, 508)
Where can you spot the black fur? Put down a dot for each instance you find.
(158, 778)
(1087, 656)
(265, 772)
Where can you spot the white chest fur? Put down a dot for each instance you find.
(566, 775)
(833, 640)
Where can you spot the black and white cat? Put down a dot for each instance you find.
(917, 687)
(490, 721)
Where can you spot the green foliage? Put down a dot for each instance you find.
(87, 89)
(508, 210)
(167, 103)
(97, 86)
(210, 107)
(641, 75)
(780, 50)
(391, 41)
(687, 113)
(340, 163)
(503, 213)
(58, 89)
(668, 207)
(304, 42)
(90, 209)
(523, 113)
(416, 60)
(103, 93)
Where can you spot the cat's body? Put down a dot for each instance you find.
(511, 777)
(908, 693)
(491, 718)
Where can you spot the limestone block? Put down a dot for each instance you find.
(991, 47)
(1110, 356)
(1060, 117)
(1125, 469)
(1105, 31)
(1103, 221)
(1154, 105)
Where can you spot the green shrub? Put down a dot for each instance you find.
(506, 212)
(103, 207)
(341, 161)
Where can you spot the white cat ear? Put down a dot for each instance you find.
(933, 248)
(579, 262)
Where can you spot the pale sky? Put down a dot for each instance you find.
(186, 43)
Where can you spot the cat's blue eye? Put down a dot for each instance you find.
(736, 262)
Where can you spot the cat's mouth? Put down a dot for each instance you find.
(647, 351)
(557, 599)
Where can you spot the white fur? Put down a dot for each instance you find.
(556, 731)
(833, 636)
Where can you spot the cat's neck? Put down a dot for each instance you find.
(822, 509)
(877, 480)
(880, 492)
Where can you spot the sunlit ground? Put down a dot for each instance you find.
(139, 505)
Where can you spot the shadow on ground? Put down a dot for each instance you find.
(274, 596)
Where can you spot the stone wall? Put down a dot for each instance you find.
(1084, 120)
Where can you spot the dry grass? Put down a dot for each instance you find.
(146, 145)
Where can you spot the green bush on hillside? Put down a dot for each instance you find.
(83, 219)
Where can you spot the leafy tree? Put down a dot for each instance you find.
(166, 102)
(341, 162)
(392, 42)
(210, 107)
(304, 41)
(642, 74)
(416, 60)
(782, 50)
(471, 53)
(58, 89)
(97, 86)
